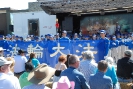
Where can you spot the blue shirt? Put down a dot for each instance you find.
(65, 38)
(35, 62)
(114, 43)
(103, 48)
(76, 39)
(100, 81)
(112, 74)
(74, 75)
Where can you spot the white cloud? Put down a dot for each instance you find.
(15, 4)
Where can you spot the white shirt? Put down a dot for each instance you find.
(10, 73)
(9, 82)
(34, 86)
(19, 63)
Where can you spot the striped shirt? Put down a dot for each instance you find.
(87, 67)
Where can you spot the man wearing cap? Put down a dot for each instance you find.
(94, 37)
(64, 33)
(20, 61)
(114, 48)
(39, 77)
(57, 36)
(103, 45)
(125, 67)
(75, 37)
(48, 37)
(6, 81)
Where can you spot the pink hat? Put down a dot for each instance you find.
(64, 83)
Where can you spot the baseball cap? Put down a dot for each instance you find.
(113, 36)
(102, 31)
(64, 32)
(3, 61)
(128, 52)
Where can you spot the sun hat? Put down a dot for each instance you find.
(41, 75)
(3, 61)
(64, 83)
(1, 49)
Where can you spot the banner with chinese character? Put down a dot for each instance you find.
(49, 51)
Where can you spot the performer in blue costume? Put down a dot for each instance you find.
(114, 48)
(51, 61)
(76, 37)
(130, 43)
(103, 45)
(119, 47)
(64, 37)
(2, 41)
(57, 37)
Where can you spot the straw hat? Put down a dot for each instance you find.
(41, 75)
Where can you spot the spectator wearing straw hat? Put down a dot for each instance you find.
(40, 76)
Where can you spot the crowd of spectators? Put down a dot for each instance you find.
(22, 73)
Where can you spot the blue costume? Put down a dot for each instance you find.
(130, 45)
(51, 60)
(76, 39)
(114, 43)
(64, 38)
(103, 48)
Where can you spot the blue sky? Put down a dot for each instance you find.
(15, 4)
